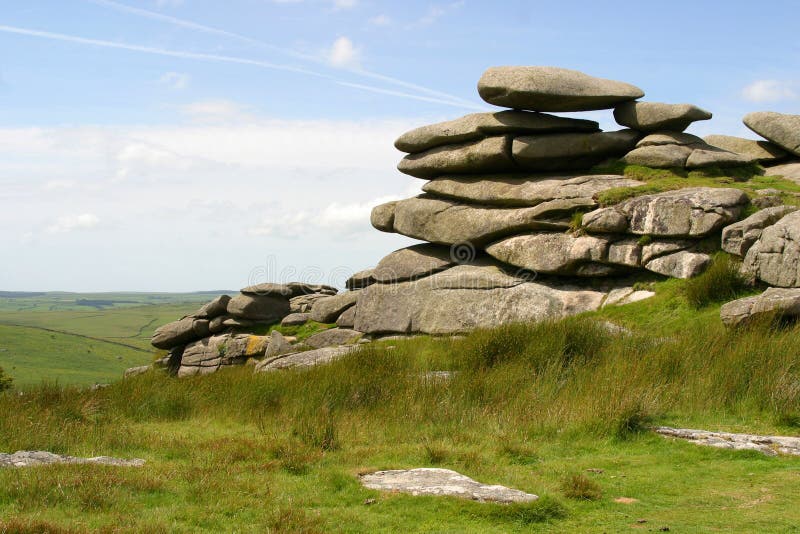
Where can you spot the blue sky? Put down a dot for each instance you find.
(186, 144)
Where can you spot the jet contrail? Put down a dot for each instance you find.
(218, 58)
(293, 53)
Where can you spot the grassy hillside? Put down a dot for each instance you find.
(83, 338)
(558, 409)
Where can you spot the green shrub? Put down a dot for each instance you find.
(5, 381)
(721, 282)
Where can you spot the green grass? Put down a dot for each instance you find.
(49, 337)
(558, 409)
(748, 178)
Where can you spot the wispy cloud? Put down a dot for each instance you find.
(344, 4)
(321, 59)
(215, 111)
(770, 91)
(381, 20)
(436, 12)
(174, 80)
(221, 58)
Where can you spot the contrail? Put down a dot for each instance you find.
(293, 53)
(217, 58)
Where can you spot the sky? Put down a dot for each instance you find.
(181, 145)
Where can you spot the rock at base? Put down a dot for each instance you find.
(296, 319)
(308, 358)
(34, 458)
(332, 337)
(761, 151)
(740, 236)
(775, 256)
(328, 309)
(769, 445)
(442, 483)
(774, 302)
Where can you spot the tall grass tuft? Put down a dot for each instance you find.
(721, 282)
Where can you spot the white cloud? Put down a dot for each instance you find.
(770, 91)
(174, 80)
(168, 3)
(344, 4)
(69, 223)
(381, 20)
(215, 110)
(343, 54)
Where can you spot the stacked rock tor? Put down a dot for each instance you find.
(513, 229)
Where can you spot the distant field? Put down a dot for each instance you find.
(83, 338)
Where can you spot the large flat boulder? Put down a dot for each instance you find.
(442, 482)
(215, 308)
(740, 236)
(761, 151)
(37, 458)
(789, 171)
(328, 309)
(781, 129)
(774, 302)
(263, 308)
(552, 89)
(413, 262)
(550, 253)
(658, 152)
(478, 125)
(449, 222)
(570, 151)
(683, 264)
(438, 305)
(691, 212)
(174, 334)
(669, 138)
(309, 358)
(492, 154)
(382, 216)
(659, 156)
(364, 278)
(333, 337)
(775, 257)
(654, 116)
(530, 190)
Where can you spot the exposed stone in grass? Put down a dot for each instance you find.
(769, 445)
(442, 483)
(36, 458)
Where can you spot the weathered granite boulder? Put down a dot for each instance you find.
(277, 345)
(442, 482)
(364, 278)
(437, 305)
(708, 156)
(669, 138)
(448, 222)
(478, 125)
(774, 302)
(348, 318)
(304, 303)
(327, 310)
(215, 308)
(570, 151)
(654, 116)
(551, 253)
(413, 262)
(761, 151)
(136, 371)
(781, 129)
(789, 171)
(333, 337)
(290, 290)
(683, 264)
(36, 458)
(382, 216)
(256, 307)
(208, 355)
(769, 445)
(174, 334)
(296, 319)
(523, 190)
(740, 236)
(659, 156)
(691, 212)
(552, 89)
(309, 358)
(492, 154)
(775, 256)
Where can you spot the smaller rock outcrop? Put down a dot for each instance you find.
(769, 445)
(656, 116)
(774, 302)
(775, 256)
(442, 482)
(36, 458)
(781, 129)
